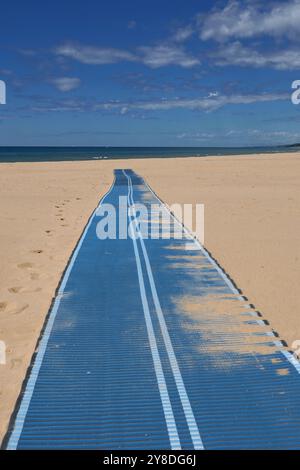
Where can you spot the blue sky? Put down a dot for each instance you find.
(139, 73)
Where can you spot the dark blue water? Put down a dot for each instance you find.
(46, 154)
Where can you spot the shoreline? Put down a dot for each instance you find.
(257, 151)
(252, 229)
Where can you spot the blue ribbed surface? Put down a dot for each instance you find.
(96, 387)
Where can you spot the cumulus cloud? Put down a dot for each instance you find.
(240, 20)
(66, 83)
(237, 54)
(152, 56)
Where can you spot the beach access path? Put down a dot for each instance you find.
(148, 345)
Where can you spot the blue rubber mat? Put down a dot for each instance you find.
(148, 345)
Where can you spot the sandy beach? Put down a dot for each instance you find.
(252, 216)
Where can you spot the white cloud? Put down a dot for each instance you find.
(152, 56)
(205, 103)
(242, 136)
(237, 54)
(199, 136)
(264, 136)
(159, 56)
(213, 93)
(66, 83)
(240, 20)
(93, 55)
(183, 33)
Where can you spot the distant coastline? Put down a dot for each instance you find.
(48, 154)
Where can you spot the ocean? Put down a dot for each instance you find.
(48, 154)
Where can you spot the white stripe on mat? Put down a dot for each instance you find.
(186, 405)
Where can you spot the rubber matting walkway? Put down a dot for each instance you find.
(149, 346)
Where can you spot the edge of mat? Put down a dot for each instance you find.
(16, 422)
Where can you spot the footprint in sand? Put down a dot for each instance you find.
(3, 306)
(15, 362)
(25, 265)
(13, 308)
(34, 276)
(22, 290)
(18, 310)
(15, 290)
